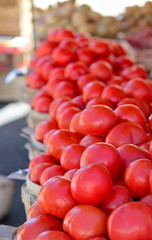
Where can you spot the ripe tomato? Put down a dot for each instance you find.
(48, 135)
(126, 133)
(150, 180)
(85, 79)
(55, 197)
(70, 158)
(99, 47)
(65, 89)
(59, 140)
(116, 48)
(136, 224)
(58, 35)
(130, 113)
(53, 171)
(40, 62)
(42, 104)
(150, 122)
(34, 80)
(134, 71)
(86, 184)
(116, 80)
(33, 227)
(98, 238)
(63, 56)
(97, 120)
(82, 40)
(79, 101)
(53, 235)
(75, 124)
(102, 70)
(47, 69)
(69, 43)
(88, 140)
(44, 127)
(74, 70)
(137, 177)
(86, 55)
(93, 226)
(92, 90)
(119, 196)
(34, 211)
(113, 93)
(150, 149)
(65, 119)
(57, 73)
(42, 158)
(54, 106)
(64, 106)
(147, 199)
(123, 62)
(36, 172)
(45, 48)
(103, 153)
(99, 101)
(69, 174)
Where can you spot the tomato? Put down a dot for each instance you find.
(40, 93)
(102, 70)
(75, 124)
(87, 181)
(139, 88)
(65, 89)
(55, 197)
(150, 180)
(64, 106)
(45, 48)
(150, 149)
(85, 79)
(145, 146)
(147, 199)
(57, 73)
(42, 104)
(79, 101)
(134, 71)
(74, 70)
(34, 80)
(98, 238)
(47, 69)
(65, 119)
(53, 235)
(116, 48)
(129, 153)
(93, 90)
(58, 35)
(44, 127)
(93, 226)
(82, 40)
(99, 47)
(130, 113)
(34, 211)
(113, 93)
(39, 224)
(40, 62)
(63, 56)
(69, 42)
(36, 172)
(59, 140)
(126, 133)
(50, 172)
(48, 135)
(55, 104)
(41, 158)
(123, 62)
(137, 177)
(69, 174)
(150, 122)
(70, 158)
(88, 140)
(116, 80)
(131, 221)
(97, 120)
(103, 153)
(99, 101)
(86, 55)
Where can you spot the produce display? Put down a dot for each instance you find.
(96, 175)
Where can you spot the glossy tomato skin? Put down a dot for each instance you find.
(74, 70)
(137, 177)
(65, 89)
(150, 123)
(47, 69)
(64, 106)
(150, 180)
(69, 174)
(123, 62)
(44, 127)
(63, 56)
(50, 172)
(102, 70)
(98, 238)
(100, 47)
(79, 101)
(99, 101)
(55, 197)
(34, 211)
(119, 196)
(93, 226)
(86, 184)
(75, 124)
(103, 153)
(114, 93)
(136, 222)
(48, 135)
(65, 119)
(88, 140)
(86, 55)
(133, 72)
(55, 104)
(39, 224)
(92, 90)
(147, 199)
(42, 158)
(126, 132)
(97, 120)
(35, 81)
(85, 79)
(58, 35)
(53, 235)
(42, 104)
(45, 48)
(36, 172)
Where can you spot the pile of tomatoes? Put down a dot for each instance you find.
(96, 175)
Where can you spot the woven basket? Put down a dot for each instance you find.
(34, 118)
(32, 150)
(28, 94)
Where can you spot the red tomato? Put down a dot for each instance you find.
(57, 73)
(126, 133)
(109, 59)
(58, 35)
(99, 47)
(116, 80)
(42, 104)
(79, 101)
(59, 140)
(64, 106)
(44, 127)
(119, 196)
(36, 172)
(137, 177)
(134, 71)
(65, 119)
(70, 158)
(113, 93)
(89, 140)
(48, 135)
(50, 172)
(99, 101)
(46, 69)
(34, 80)
(63, 56)
(129, 153)
(42, 158)
(150, 122)
(82, 40)
(53, 235)
(103, 153)
(86, 184)
(86, 55)
(75, 124)
(93, 90)
(55, 197)
(150, 180)
(116, 48)
(69, 174)
(130, 113)
(34, 211)
(45, 48)
(131, 221)
(139, 88)
(123, 62)
(74, 70)
(65, 89)
(97, 120)
(40, 62)
(145, 146)
(102, 70)
(85, 79)
(69, 42)
(55, 104)
(147, 199)
(98, 238)
(39, 224)
(93, 226)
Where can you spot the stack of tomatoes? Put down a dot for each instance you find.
(96, 175)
